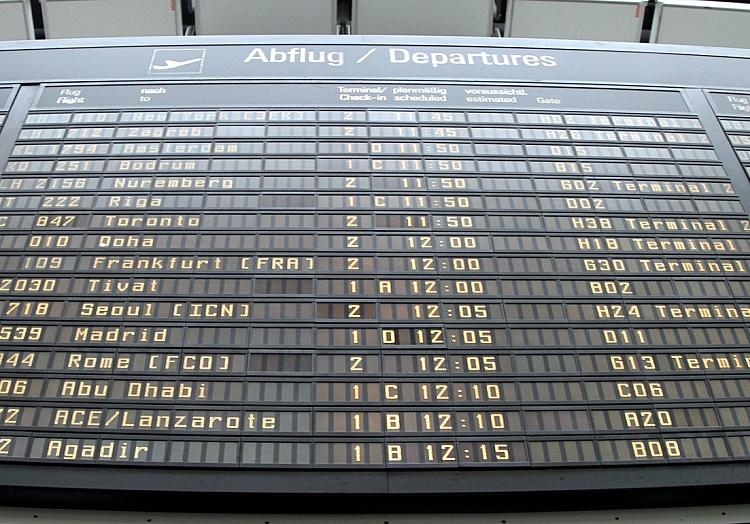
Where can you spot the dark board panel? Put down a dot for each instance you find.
(351, 95)
(358, 278)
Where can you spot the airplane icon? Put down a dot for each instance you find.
(174, 64)
(177, 61)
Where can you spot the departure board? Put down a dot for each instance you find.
(360, 275)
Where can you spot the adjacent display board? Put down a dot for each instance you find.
(371, 276)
